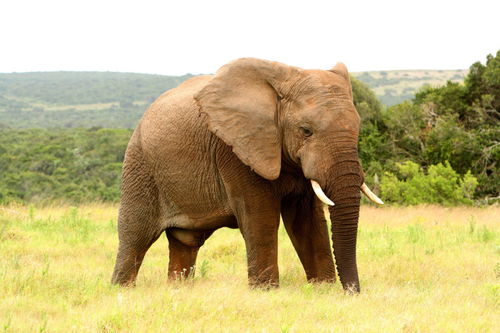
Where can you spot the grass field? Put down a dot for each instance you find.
(422, 269)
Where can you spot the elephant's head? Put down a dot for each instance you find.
(275, 115)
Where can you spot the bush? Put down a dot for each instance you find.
(440, 185)
(70, 165)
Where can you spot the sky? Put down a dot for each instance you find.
(183, 36)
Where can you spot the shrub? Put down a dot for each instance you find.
(440, 185)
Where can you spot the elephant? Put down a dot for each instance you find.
(256, 141)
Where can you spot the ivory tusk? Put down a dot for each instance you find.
(371, 195)
(320, 194)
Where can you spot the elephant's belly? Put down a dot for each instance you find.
(199, 222)
(195, 214)
(193, 203)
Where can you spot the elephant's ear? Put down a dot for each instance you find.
(241, 103)
(341, 70)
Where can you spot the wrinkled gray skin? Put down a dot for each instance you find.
(237, 150)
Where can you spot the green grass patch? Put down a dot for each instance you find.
(421, 269)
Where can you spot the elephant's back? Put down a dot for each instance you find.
(187, 88)
(179, 150)
(174, 104)
(173, 117)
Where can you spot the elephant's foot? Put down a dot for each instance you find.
(261, 285)
(319, 280)
(123, 281)
(125, 272)
(263, 278)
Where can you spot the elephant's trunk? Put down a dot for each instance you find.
(344, 189)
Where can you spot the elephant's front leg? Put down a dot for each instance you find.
(260, 231)
(305, 223)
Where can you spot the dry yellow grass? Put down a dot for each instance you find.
(429, 269)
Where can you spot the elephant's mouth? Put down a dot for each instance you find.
(327, 201)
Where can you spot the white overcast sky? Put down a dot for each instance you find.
(183, 36)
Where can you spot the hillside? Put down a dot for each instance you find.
(79, 99)
(394, 87)
(107, 99)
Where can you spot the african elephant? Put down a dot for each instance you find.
(239, 149)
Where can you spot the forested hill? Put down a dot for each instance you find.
(79, 99)
(394, 87)
(107, 99)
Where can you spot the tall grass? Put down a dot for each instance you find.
(421, 269)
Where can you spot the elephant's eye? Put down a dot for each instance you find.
(306, 131)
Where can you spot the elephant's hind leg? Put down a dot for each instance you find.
(138, 226)
(133, 246)
(129, 260)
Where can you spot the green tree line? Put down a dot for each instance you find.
(70, 165)
(455, 125)
(441, 147)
